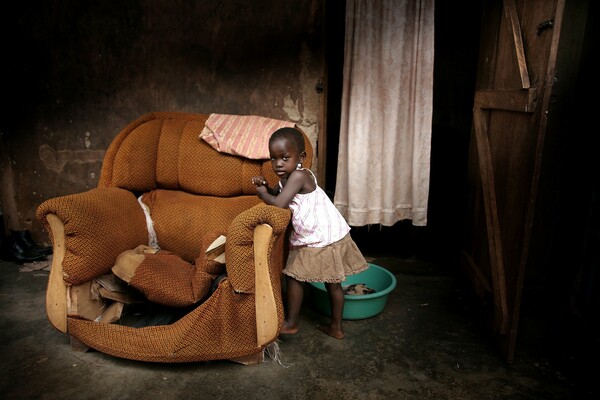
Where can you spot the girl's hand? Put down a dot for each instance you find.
(259, 180)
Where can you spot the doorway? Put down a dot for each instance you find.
(455, 65)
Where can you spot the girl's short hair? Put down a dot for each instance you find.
(292, 135)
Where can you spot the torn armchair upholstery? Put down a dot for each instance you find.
(162, 186)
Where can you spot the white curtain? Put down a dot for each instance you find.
(387, 103)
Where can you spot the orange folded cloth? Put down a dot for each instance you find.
(242, 135)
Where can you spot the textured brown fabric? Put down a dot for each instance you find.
(204, 170)
(135, 161)
(239, 250)
(99, 225)
(163, 150)
(182, 219)
(165, 278)
(194, 194)
(167, 158)
(332, 263)
(223, 326)
(151, 124)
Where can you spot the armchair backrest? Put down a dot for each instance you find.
(162, 150)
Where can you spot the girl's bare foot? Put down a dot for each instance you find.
(289, 328)
(336, 333)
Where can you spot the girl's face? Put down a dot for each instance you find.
(284, 158)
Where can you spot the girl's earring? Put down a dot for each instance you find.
(299, 166)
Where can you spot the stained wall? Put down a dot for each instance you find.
(76, 72)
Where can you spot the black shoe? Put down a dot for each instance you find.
(25, 241)
(23, 254)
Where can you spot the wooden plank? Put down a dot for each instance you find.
(83, 305)
(492, 221)
(266, 309)
(541, 132)
(112, 313)
(510, 9)
(509, 100)
(56, 292)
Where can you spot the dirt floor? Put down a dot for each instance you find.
(426, 344)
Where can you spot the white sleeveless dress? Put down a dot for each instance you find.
(321, 247)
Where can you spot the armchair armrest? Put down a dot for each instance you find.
(98, 225)
(255, 257)
(56, 293)
(88, 231)
(239, 247)
(264, 303)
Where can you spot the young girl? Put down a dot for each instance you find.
(321, 249)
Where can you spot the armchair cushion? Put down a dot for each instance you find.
(165, 278)
(163, 150)
(181, 220)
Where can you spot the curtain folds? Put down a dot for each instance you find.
(387, 105)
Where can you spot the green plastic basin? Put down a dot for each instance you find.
(357, 306)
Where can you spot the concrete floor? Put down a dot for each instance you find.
(426, 344)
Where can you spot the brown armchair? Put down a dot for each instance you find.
(193, 193)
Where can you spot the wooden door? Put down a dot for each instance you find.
(516, 72)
